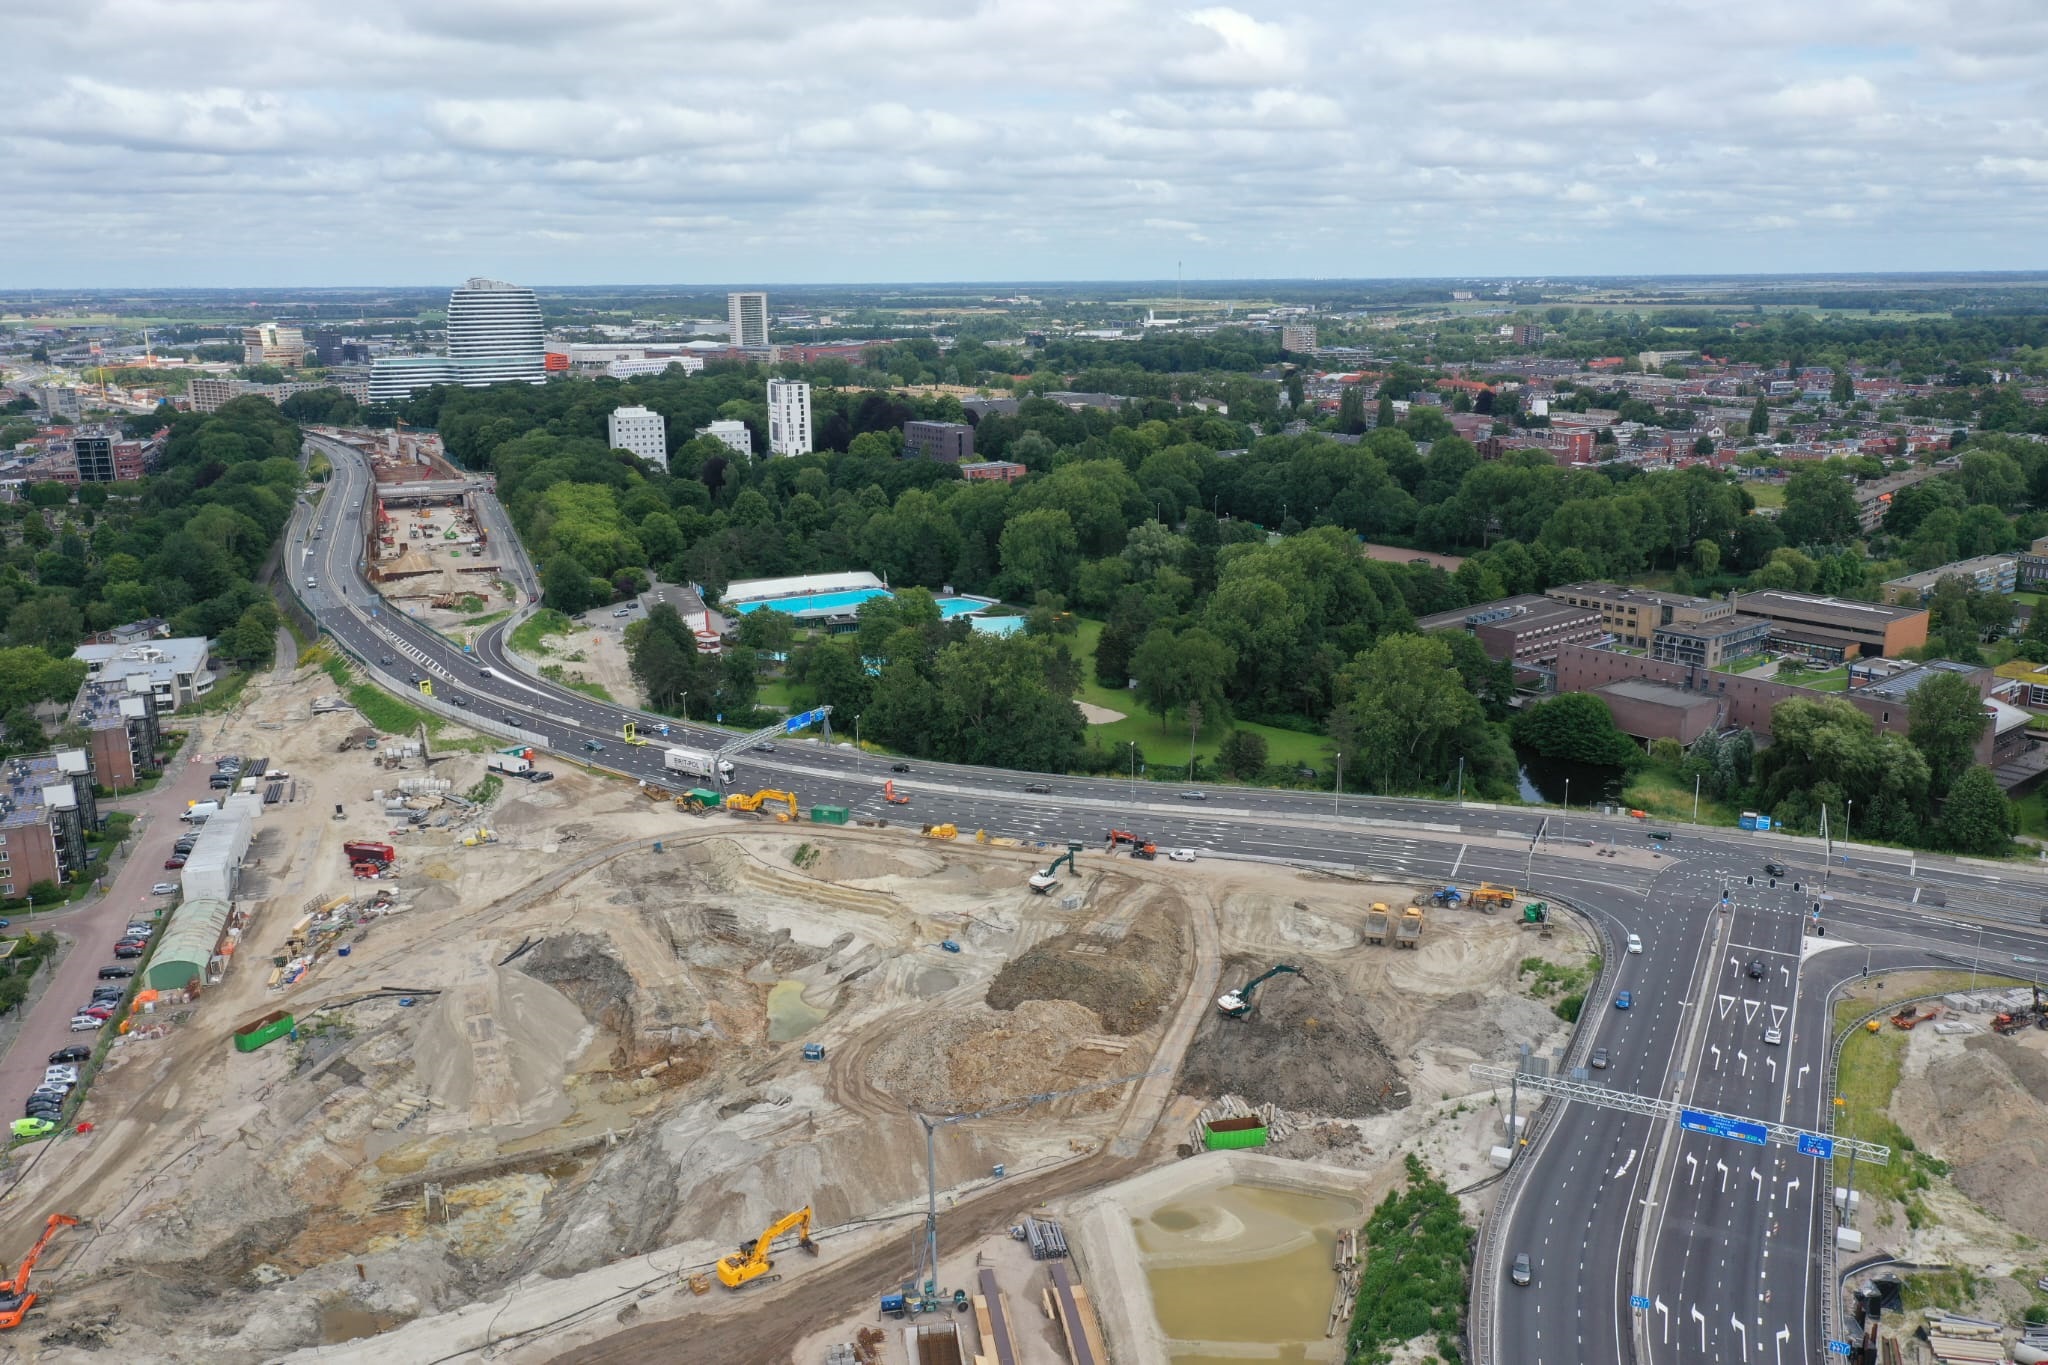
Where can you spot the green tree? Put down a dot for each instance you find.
(1351, 410)
(1760, 419)
(1948, 720)
(1977, 817)
(1843, 390)
(567, 587)
(1819, 509)
(1242, 754)
(1406, 709)
(1039, 550)
(1576, 726)
(1176, 670)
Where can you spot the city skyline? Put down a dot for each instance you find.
(336, 145)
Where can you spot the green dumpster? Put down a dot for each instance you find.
(828, 815)
(1230, 1134)
(706, 797)
(268, 1029)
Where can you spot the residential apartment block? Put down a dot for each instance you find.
(643, 431)
(47, 808)
(944, 442)
(746, 316)
(1298, 337)
(176, 671)
(1985, 573)
(736, 435)
(789, 417)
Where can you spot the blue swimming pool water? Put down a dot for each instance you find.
(834, 603)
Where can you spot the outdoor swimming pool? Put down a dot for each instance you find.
(836, 603)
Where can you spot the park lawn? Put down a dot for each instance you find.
(2032, 810)
(780, 694)
(1168, 745)
(1766, 494)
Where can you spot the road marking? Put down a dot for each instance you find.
(1622, 1170)
(1727, 1003)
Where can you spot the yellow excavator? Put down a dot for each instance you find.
(752, 1261)
(756, 800)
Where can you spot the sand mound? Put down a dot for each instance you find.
(843, 861)
(493, 1053)
(1126, 981)
(978, 1057)
(1307, 1047)
(1980, 1111)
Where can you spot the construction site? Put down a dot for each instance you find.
(522, 1064)
(1957, 1220)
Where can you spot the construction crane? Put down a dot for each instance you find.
(1042, 882)
(926, 1285)
(1238, 1003)
(752, 1260)
(16, 1298)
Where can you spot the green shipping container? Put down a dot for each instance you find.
(1232, 1134)
(268, 1029)
(828, 815)
(710, 798)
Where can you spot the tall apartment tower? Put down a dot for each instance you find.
(642, 431)
(789, 417)
(747, 314)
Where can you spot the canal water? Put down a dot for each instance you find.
(1245, 1273)
(1543, 779)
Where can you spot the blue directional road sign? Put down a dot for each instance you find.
(1638, 1301)
(1814, 1144)
(1720, 1125)
(798, 722)
(1838, 1348)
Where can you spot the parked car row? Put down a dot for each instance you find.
(106, 997)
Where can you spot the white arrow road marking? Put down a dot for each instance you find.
(1701, 1319)
(1784, 1335)
(1745, 1334)
(1759, 1183)
(1623, 1169)
(1715, 1048)
(1722, 1167)
(1772, 1063)
(1801, 1082)
(1693, 1178)
(1742, 1057)
(1665, 1313)
(1790, 1186)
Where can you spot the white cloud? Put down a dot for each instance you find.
(728, 139)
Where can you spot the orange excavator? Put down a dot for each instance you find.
(1140, 847)
(16, 1298)
(892, 796)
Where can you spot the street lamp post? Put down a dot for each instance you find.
(1976, 956)
(1847, 816)
(1696, 798)
(1337, 790)
(1567, 807)
(686, 708)
(1134, 767)
(856, 742)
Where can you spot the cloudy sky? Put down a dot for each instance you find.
(309, 142)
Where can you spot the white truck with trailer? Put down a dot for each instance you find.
(696, 763)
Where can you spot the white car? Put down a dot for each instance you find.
(1180, 855)
(84, 1023)
(164, 889)
(1635, 945)
(1774, 1036)
(60, 1075)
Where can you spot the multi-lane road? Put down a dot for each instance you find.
(1719, 1238)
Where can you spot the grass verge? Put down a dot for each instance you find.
(530, 636)
(226, 695)
(488, 618)
(1418, 1249)
(555, 673)
(1666, 794)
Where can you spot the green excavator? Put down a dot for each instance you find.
(1042, 882)
(1238, 1003)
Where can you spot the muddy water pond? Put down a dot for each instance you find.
(1244, 1273)
(789, 1017)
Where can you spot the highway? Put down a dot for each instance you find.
(1718, 1235)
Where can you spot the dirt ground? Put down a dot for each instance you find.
(458, 581)
(560, 1058)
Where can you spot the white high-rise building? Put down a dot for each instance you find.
(494, 337)
(789, 417)
(642, 431)
(747, 316)
(736, 435)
